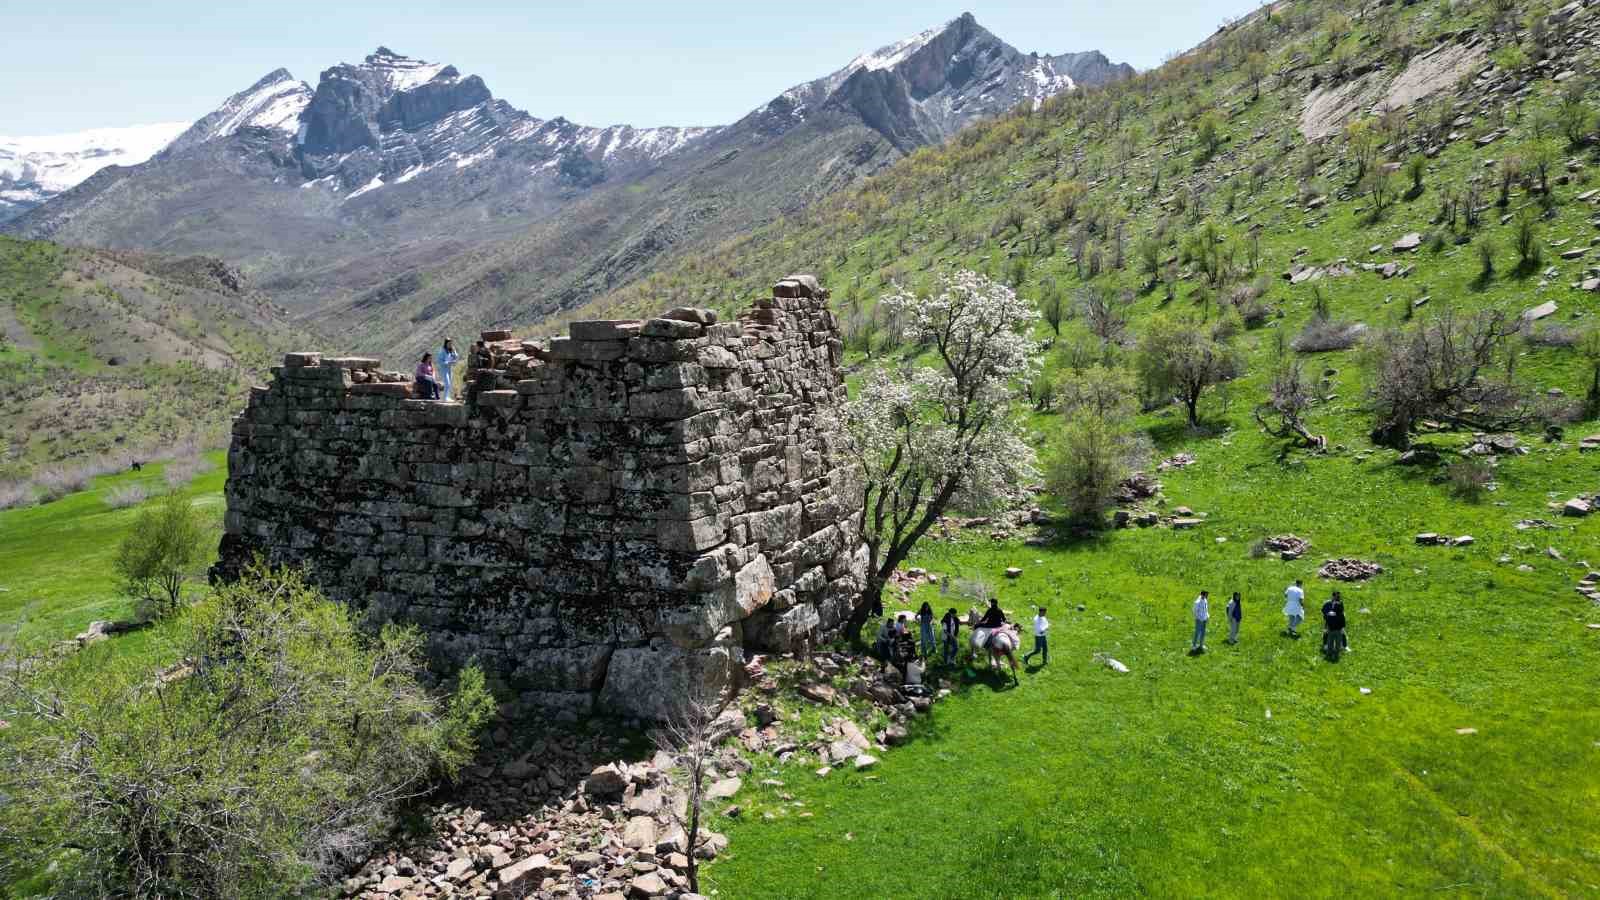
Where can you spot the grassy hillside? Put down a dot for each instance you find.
(122, 353)
(1256, 770)
(1456, 749)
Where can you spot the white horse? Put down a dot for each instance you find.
(1002, 641)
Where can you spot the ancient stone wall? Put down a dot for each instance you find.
(609, 519)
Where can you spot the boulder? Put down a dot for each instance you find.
(1407, 242)
(606, 781)
(1577, 507)
(1541, 311)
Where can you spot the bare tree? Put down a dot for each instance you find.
(1103, 312)
(1458, 370)
(689, 735)
(1282, 414)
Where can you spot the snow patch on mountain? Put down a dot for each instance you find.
(53, 163)
(275, 102)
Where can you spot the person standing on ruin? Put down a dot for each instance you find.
(448, 357)
(1294, 608)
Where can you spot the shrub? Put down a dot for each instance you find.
(1092, 458)
(1321, 335)
(1469, 479)
(273, 756)
(15, 493)
(125, 495)
(1527, 237)
(1453, 369)
(1485, 260)
(181, 471)
(162, 551)
(53, 484)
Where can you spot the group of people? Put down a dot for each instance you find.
(1334, 639)
(436, 382)
(895, 645)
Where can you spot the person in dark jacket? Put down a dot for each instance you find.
(952, 628)
(1333, 623)
(993, 618)
(903, 651)
(1235, 611)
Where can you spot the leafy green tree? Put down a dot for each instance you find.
(1091, 457)
(278, 744)
(164, 549)
(1180, 357)
(1362, 139)
(1589, 348)
(1416, 168)
(1575, 117)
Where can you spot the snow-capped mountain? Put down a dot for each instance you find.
(393, 119)
(400, 198)
(34, 169)
(929, 86)
(273, 103)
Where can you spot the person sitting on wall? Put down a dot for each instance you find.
(883, 644)
(427, 384)
(904, 649)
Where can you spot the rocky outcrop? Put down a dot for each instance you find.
(614, 517)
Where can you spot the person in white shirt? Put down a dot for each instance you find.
(1202, 615)
(1041, 638)
(1294, 607)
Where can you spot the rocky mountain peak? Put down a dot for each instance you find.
(927, 87)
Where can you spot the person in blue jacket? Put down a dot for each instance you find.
(448, 357)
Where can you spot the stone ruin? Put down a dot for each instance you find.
(607, 521)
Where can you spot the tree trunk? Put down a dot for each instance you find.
(1192, 404)
(871, 596)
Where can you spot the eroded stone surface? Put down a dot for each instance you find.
(610, 518)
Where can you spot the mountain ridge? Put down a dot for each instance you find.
(406, 180)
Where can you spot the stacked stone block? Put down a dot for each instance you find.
(610, 518)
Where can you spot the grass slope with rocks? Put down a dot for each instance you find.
(1456, 750)
(1235, 180)
(122, 354)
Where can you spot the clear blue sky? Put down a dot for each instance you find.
(74, 64)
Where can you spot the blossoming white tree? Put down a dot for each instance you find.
(933, 437)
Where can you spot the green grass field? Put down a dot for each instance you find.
(56, 558)
(1256, 770)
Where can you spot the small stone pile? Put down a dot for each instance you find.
(1589, 586)
(1179, 461)
(1349, 569)
(1287, 546)
(1495, 445)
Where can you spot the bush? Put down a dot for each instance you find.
(1092, 458)
(162, 551)
(15, 493)
(1321, 335)
(271, 759)
(53, 484)
(181, 471)
(1469, 479)
(125, 495)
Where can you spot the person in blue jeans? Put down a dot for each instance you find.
(1202, 615)
(925, 627)
(952, 628)
(1041, 638)
(448, 357)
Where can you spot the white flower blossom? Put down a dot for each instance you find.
(929, 438)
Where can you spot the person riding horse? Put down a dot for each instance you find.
(992, 619)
